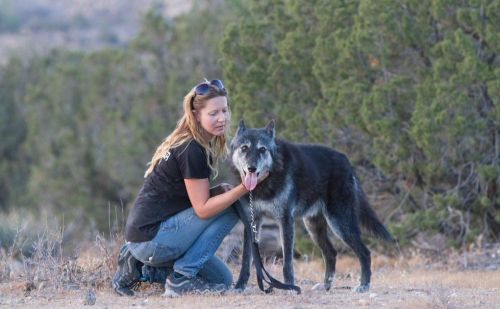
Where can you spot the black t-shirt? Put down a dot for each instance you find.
(164, 192)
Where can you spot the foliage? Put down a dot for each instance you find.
(13, 129)
(80, 127)
(9, 21)
(408, 88)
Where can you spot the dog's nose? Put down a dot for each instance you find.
(252, 169)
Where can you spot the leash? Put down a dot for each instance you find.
(259, 266)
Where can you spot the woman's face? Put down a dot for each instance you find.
(214, 116)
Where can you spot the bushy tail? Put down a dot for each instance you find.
(370, 221)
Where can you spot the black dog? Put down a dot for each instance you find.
(310, 181)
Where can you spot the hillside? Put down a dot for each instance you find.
(36, 26)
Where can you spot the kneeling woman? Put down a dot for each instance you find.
(175, 221)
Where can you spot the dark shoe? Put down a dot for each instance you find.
(177, 285)
(128, 273)
(155, 274)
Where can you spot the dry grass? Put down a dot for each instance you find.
(50, 278)
(412, 282)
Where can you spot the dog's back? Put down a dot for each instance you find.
(318, 173)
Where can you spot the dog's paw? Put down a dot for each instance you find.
(362, 288)
(235, 291)
(238, 290)
(292, 292)
(240, 287)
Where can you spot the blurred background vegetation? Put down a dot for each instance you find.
(408, 89)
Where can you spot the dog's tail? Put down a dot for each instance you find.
(371, 222)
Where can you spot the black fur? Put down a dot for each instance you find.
(314, 182)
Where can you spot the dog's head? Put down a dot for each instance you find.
(252, 152)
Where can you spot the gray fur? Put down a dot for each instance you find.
(312, 182)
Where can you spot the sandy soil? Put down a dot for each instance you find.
(455, 281)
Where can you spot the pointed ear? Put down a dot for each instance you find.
(241, 127)
(270, 129)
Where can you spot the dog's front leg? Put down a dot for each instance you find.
(247, 248)
(287, 230)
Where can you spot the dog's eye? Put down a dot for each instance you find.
(262, 149)
(244, 148)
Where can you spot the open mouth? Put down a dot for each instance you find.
(250, 180)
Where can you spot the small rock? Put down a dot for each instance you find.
(90, 298)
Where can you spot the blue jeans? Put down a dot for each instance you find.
(188, 244)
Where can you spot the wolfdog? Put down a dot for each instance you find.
(314, 182)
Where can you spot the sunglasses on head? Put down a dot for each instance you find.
(204, 88)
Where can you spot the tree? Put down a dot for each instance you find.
(406, 88)
(91, 121)
(13, 159)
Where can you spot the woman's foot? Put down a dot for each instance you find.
(178, 284)
(127, 274)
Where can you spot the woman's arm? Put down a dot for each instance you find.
(205, 206)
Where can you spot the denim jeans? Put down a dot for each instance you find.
(188, 244)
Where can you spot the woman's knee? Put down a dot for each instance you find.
(230, 216)
(227, 279)
(154, 254)
(216, 271)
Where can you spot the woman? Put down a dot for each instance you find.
(175, 221)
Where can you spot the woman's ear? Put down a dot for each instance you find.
(196, 115)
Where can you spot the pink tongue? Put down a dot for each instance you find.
(250, 181)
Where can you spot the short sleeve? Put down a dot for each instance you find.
(192, 161)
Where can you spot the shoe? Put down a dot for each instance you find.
(128, 273)
(177, 285)
(155, 274)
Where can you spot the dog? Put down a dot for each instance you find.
(312, 182)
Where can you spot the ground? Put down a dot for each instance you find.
(449, 280)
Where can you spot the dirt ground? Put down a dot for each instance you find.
(453, 280)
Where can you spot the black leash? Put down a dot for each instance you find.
(259, 266)
(261, 271)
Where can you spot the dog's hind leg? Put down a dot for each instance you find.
(318, 230)
(345, 224)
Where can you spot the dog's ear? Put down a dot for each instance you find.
(270, 129)
(241, 127)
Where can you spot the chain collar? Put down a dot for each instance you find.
(252, 216)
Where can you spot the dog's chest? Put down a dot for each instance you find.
(270, 208)
(277, 205)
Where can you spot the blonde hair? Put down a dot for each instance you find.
(188, 128)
